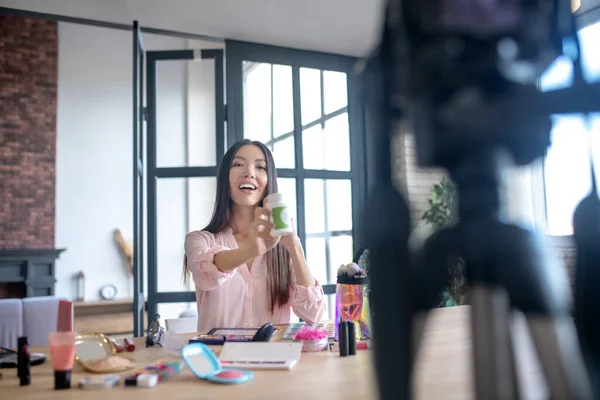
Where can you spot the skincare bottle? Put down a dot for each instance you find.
(280, 214)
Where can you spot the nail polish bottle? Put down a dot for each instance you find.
(23, 361)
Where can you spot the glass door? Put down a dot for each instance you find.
(186, 142)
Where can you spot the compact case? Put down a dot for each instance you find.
(203, 363)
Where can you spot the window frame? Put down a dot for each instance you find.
(236, 53)
(583, 19)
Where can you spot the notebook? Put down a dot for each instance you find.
(260, 355)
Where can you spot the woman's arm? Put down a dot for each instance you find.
(303, 275)
(203, 254)
(228, 260)
(308, 302)
(308, 299)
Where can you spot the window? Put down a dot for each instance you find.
(299, 104)
(567, 173)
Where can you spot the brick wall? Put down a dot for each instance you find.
(28, 84)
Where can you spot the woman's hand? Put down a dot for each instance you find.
(261, 240)
(291, 241)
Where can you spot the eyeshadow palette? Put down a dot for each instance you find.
(291, 330)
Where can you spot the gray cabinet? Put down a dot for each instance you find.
(28, 272)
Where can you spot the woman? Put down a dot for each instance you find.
(245, 277)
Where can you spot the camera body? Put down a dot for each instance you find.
(456, 68)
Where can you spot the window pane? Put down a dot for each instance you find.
(567, 172)
(185, 113)
(560, 74)
(310, 94)
(316, 258)
(314, 201)
(335, 89)
(590, 36)
(337, 143)
(284, 153)
(174, 310)
(183, 205)
(339, 205)
(313, 148)
(257, 101)
(340, 252)
(283, 108)
(595, 128)
(287, 186)
(201, 201)
(328, 148)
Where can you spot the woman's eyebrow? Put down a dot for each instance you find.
(243, 159)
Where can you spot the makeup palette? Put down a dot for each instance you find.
(203, 363)
(290, 332)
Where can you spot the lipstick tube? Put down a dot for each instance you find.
(118, 346)
(129, 345)
(23, 361)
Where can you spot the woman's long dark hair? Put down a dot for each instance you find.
(279, 274)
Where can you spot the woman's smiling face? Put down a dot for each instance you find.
(248, 177)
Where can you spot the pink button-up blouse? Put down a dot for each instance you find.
(240, 298)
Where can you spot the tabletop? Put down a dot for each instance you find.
(443, 370)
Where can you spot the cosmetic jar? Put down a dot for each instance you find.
(280, 214)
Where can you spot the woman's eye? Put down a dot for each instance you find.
(237, 164)
(261, 167)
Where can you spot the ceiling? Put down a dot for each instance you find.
(349, 27)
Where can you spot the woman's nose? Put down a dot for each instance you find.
(249, 174)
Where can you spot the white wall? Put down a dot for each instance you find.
(94, 157)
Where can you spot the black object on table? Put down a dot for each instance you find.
(8, 358)
(351, 338)
(23, 361)
(343, 339)
(264, 333)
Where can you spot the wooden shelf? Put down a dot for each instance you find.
(111, 317)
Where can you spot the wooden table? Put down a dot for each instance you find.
(443, 371)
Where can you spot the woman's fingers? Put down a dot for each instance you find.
(263, 225)
(270, 241)
(262, 213)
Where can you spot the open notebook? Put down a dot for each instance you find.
(260, 355)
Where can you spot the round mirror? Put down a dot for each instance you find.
(92, 346)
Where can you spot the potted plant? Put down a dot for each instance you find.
(442, 213)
